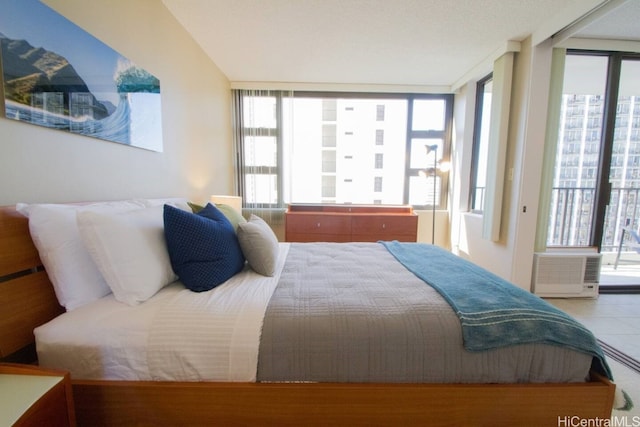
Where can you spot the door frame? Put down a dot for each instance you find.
(603, 187)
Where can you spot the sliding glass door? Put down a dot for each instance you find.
(621, 218)
(596, 190)
(578, 156)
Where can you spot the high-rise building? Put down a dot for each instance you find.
(577, 164)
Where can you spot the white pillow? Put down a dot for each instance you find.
(130, 251)
(176, 202)
(54, 230)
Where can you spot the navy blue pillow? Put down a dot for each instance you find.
(203, 247)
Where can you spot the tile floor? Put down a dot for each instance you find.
(614, 319)
(623, 274)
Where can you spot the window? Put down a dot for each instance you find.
(329, 110)
(328, 161)
(329, 135)
(259, 129)
(310, 147)
(379, 162)
(481, 143)
(428, 125)
(377, 184)
(328, 186)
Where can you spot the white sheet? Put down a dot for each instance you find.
(175, 335)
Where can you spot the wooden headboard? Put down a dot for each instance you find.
(27, 299)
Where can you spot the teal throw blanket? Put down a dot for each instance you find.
(493, 312)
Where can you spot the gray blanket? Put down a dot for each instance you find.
(352, 313)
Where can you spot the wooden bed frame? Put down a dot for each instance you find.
(27, 300)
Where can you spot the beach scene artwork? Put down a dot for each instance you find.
(55, 74)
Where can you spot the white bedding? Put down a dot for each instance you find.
(109, 340)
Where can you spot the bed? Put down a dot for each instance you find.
(233, 394)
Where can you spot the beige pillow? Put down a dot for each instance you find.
(259, 245)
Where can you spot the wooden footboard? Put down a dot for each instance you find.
(124, 403)
(27, 300)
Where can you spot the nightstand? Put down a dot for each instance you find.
(33, 396)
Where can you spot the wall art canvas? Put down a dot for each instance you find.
(55, 74)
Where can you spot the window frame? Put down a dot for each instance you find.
(477, 140)
(241, 131)
(444, 134)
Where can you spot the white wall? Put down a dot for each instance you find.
(534, 74)
(467, 240)
(42, 165)
(511, 257)
(439, 229)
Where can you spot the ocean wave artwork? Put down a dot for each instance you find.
(54, 74)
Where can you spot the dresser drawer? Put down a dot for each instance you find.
(371, 228)
(318, 237)
(318, 224)
(385, 224)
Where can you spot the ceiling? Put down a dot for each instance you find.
(620, 23)
(379, 42)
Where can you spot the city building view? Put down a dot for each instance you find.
(576, 172)
(343, 149)
(348, 151)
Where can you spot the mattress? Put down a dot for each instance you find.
(176, 335)
(179, 335)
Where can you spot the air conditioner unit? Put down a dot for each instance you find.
(566, 274)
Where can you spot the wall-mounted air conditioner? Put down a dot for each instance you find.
(566, 274)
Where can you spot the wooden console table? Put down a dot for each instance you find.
(350, 223)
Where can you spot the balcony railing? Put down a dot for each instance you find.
(572, 213)
(570, 216)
